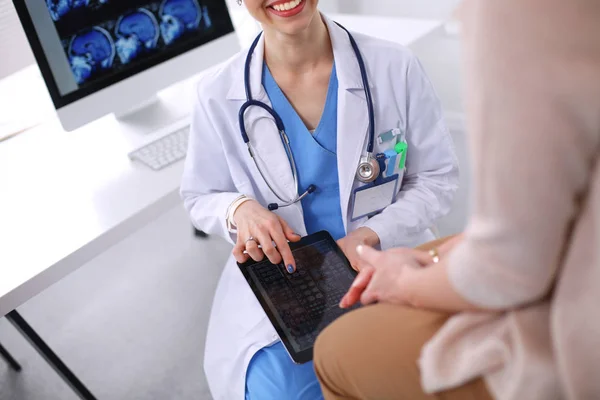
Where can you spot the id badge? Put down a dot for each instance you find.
(370, 199)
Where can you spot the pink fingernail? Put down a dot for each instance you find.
(359, 249)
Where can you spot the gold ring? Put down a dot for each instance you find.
(434, 255)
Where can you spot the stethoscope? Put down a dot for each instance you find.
(368, 168)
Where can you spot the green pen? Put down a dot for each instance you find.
(401, 149)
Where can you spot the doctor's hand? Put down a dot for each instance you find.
(361, 236)
(258, 226)
(380, 279)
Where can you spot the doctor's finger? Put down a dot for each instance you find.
(289, 232)
(253, 250)
(238, 251)
(269, 250)
(286, 253)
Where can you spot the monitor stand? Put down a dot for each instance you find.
(149, 116)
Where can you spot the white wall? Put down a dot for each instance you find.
(441, 58)
(406, 8)
(330, 6)
(439, 54)
(15, 52)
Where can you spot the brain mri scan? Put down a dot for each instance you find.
(179, 16)
(60, 8)
(136, 32)
(90, 51)
(104, 37)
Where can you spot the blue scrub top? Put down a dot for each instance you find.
(315, 156)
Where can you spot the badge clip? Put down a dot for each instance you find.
(388, 135)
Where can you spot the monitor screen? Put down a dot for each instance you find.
(83, 46)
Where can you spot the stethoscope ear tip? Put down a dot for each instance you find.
(273, 206)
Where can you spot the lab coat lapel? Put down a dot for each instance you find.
(262, 131)
(352, 118)
(351, 142)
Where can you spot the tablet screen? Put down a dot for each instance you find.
(305, 302)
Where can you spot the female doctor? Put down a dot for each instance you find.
(282, 136)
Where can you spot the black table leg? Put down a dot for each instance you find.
(9, 359)
(52, 359)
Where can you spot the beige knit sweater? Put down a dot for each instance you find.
(532, 246)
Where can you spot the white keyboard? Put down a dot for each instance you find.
(163, 151)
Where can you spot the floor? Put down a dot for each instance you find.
(131, 323)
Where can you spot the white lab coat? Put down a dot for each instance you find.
(218, 169)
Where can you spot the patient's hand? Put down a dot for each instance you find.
(380, 275)
(361, 236)
(444, 245)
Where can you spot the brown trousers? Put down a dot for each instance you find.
(372, 354)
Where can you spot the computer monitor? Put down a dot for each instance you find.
(110, 56)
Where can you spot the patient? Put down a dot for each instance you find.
(510, 308)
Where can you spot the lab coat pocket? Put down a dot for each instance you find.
(393, 145)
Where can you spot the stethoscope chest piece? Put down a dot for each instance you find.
(368, 169)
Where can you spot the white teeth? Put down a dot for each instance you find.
(287, 6)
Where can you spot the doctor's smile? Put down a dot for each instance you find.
(286, 8)
(303, 140)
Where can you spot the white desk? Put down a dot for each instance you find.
(67, 197)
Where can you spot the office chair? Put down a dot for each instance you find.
(9, 359)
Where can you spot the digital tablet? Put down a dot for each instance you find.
(300, 305)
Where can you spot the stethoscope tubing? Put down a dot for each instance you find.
(280, 127)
